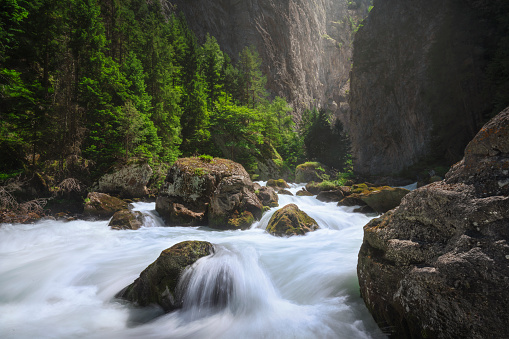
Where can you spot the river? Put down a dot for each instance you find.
(58, 279)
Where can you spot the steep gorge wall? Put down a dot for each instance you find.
(419, 88)
(306, 46)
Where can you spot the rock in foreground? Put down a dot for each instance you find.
(438, 265)
(157, 284)
(290, 220)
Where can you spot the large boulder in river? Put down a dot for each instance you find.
(437, 266)
(129, 181)
(158, 283)
(234, 204)
(290, 220)
(126, 220)
(102, 206)
(191, 185)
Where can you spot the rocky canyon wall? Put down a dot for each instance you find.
(306, 46)
(419, 88)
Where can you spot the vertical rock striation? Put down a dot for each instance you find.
(305, 45)
(418, 83)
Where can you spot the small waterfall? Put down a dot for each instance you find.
(227, 280)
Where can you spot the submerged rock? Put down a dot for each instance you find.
(102, 206)
(290, 220)
(437, 266)
(157, 284)
(126, 220)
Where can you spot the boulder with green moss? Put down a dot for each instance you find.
(277, 184)
(317, 187)
(102, 206)
(157, 284)
(310, 171)
(234, 204)
(290, 220)
(126, 220)
(193, 185)
(379, 199)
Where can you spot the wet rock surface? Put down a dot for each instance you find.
(158, 283)
(126, 220)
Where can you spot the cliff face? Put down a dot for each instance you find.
(418, 83)
(305, 45)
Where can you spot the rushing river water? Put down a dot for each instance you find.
(58, 280)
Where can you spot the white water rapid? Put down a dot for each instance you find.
(58, 280)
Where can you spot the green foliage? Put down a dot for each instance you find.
(324, 139)
(97, 82)
(206, 158)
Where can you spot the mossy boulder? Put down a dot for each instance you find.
(277, 184)
(267, 196)
(158, 283)
(290, 220)
(192, 184)
(127, 220)
(317, 187)
(310, 171)
(102, 206)
(304, 193)
(379, 199)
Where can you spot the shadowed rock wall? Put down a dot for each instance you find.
(419, 88)
(305, 45)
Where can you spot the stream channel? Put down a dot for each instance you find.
(58, 279)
